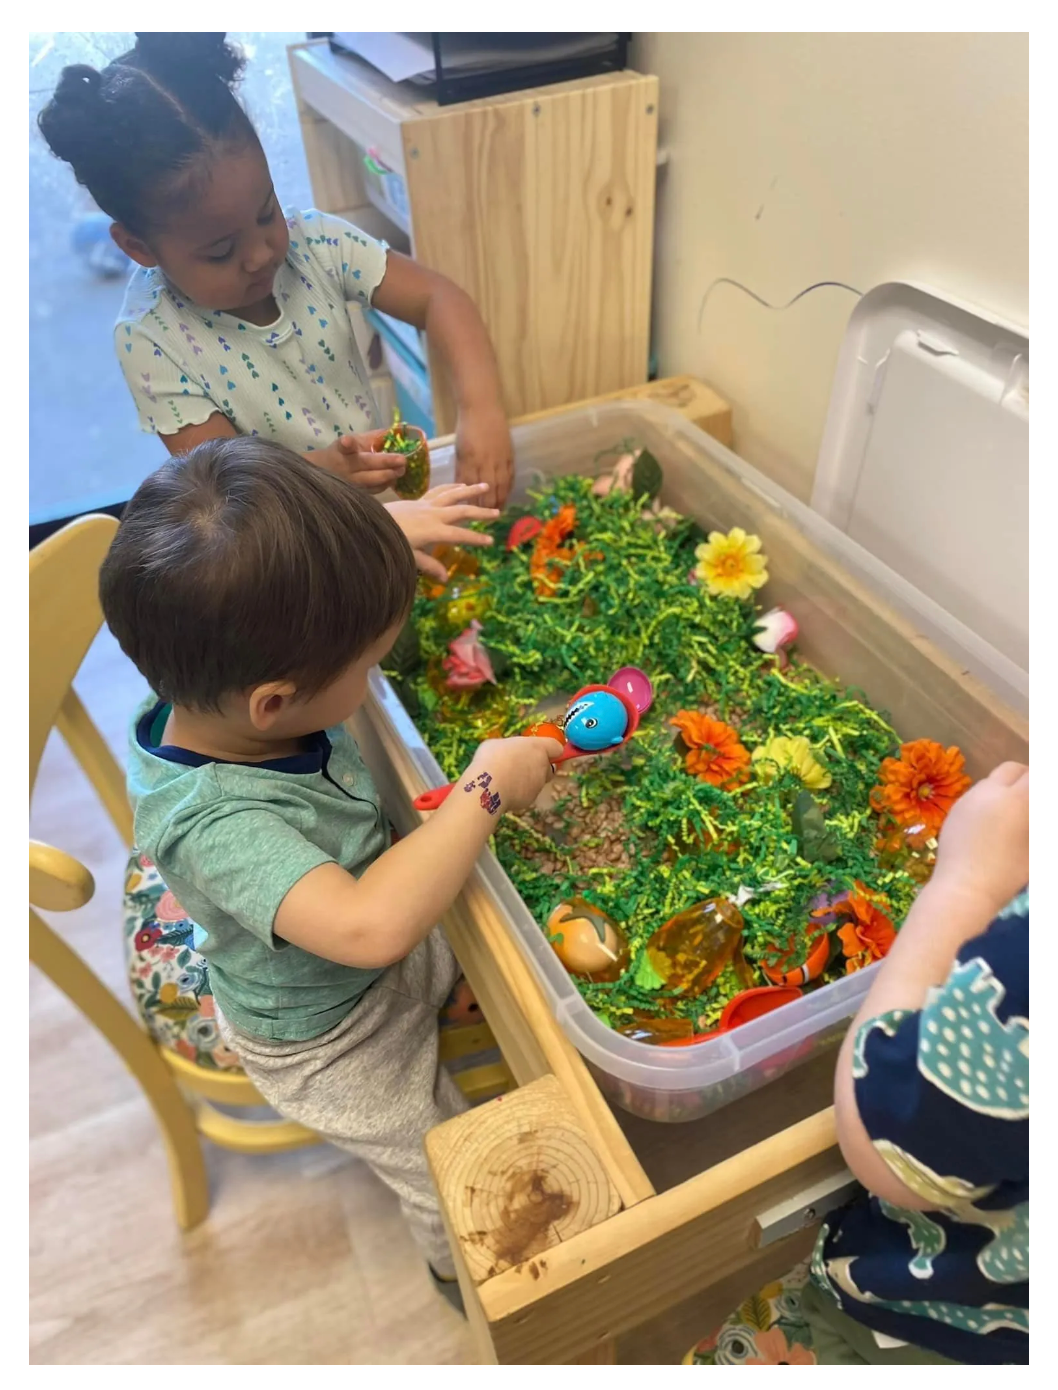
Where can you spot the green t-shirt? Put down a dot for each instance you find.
(232, 839)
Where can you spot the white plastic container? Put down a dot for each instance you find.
(707, 481)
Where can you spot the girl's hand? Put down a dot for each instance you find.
(484, 452)
(358, 459)
(983, 850)
(434, 519)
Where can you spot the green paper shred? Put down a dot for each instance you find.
(635, 832)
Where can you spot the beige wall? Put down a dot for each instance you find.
(795, 158)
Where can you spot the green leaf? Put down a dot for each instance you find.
(501, 663)
(405, 657)
(816, 842)
(647, 476)
(409, 699)
(646, 977)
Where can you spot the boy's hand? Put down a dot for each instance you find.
(508, 774)
(983, 850)
(358, 458)
(435, 518)
(484, 452)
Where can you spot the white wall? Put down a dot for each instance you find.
(796, 158)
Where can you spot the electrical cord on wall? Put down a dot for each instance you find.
(777, 308)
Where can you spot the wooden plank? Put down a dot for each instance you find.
(624, 1271)
(511, 998)
(480, 1083)
(352, 97)
(518, 1176)
(666, 1339)
(542, 209)
(698, 402)
(465, 1041)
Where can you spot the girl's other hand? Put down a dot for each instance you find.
(484, 452)
(359, 460)
(983, 850)
(435, 520)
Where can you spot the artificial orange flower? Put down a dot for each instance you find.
(921, 786)
(714, 753)
(867, 933)
(549, 554)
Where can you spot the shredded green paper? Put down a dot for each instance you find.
(635, 832)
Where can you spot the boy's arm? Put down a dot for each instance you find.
(982, 863)
(380, 917)
(431, 301)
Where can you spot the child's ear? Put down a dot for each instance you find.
(133, 247)
(269, 702)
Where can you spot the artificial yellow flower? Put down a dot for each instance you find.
(781, 753)
(729, 565)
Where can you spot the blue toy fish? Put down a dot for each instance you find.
(596, 721)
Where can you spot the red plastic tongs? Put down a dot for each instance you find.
(429, 801)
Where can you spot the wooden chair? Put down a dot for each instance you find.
(65, 617)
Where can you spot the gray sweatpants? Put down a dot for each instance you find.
(373, 1084)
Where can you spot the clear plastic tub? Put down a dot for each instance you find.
(858, 621)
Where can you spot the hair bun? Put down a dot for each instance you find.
(78, 85)
(68, 120)
(181, 54)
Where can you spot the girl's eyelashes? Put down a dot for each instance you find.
(219, 256)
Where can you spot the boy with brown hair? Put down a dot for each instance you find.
(255, 592)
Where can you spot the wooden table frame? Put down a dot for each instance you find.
(574, 1285)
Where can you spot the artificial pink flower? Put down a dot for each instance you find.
(618, 479)
(774, 632)
(468, 664)
(206, 1007)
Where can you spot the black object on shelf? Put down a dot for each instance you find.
(451, 84)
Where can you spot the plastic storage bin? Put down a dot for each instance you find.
(813, 567)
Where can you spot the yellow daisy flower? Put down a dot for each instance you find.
(729, 565)
(781, 753)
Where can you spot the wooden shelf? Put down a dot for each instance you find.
(539, 203)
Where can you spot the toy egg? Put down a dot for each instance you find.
(591, 944)
(911, 848)
(691, 950)
(642, 1028)
(546, 730)
(466, 603)
(596, 721)
(458, 563)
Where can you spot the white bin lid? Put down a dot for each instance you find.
(925, 456)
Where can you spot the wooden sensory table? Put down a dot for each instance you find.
(584, 1235)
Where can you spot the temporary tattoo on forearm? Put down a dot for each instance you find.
(489, 800)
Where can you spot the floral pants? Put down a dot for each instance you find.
(792, 1323)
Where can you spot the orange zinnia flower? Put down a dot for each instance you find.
(867, 933)
(921, 786)
(549, 554)
(714, 753)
